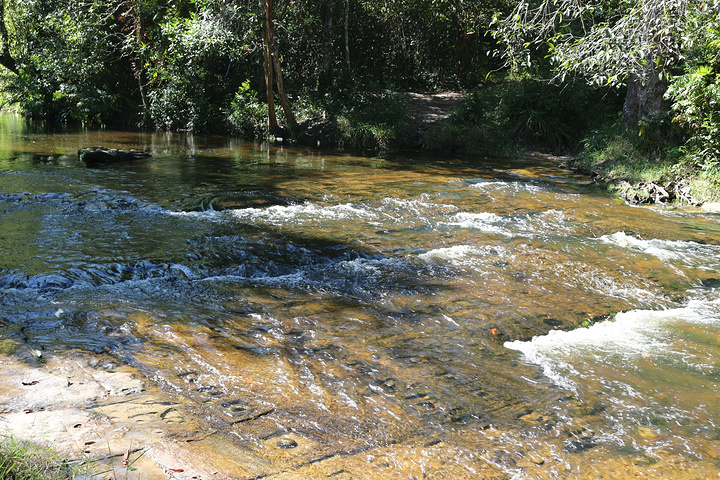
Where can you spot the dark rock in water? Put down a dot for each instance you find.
(579, 445)
(102, 155)
(49, 281)
(711, 282)
(552, 322)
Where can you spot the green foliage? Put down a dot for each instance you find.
(627, 164)
(423, 44)
(368, 121)
(24, 461)
(66, 69)
(697, 104)
(247, 115)
(189, 83)
(605, 41)
(478, 125)
(179, 65)
(363, 136)
(696, 97)
(621, 154)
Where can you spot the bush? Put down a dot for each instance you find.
(190, 86)
(695, 93)
(248, 116)
(476, 126)
(696, 96)
(64, 74)
(364, 120)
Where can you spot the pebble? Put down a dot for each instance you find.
(286, 443)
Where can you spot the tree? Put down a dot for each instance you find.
(608, 42)
(190, 64)
(64, 58)
(134, 28)
(194, 59)
(271, 64)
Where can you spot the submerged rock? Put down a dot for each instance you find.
(102, 155)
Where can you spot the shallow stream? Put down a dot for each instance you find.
(402, 316)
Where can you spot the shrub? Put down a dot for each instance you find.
(695, 93)
(248, 116)
(696, 96)
(365, 120)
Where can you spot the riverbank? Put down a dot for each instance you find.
(643, 172)
(511, 119)
(633, 165)
(100, 414)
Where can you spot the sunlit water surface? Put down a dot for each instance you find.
(415, 317)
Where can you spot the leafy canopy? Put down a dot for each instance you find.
(605, 41)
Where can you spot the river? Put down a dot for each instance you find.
(397, 316)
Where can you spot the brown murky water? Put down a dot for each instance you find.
(352, 317)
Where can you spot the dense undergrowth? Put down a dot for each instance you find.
(642, 170)
(507, 118)
(495, 120)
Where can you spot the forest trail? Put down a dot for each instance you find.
(425, 110)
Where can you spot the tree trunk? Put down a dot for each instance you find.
(139, 70)
(347, 34)
(268, 35)
(645, 98)
(289, 117)
(134, 27)
(327, 65)
(462, 41)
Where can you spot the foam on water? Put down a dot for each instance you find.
(526, 224)
(575, 275)
(304, 213)
(457, 252)
(418, 206)
(565, 356)
(484, 221)
(503, 186)
(691, 254)
(396, 212)
(473, 256)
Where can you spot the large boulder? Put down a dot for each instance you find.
(102, 155)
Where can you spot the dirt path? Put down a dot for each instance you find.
(425, 110)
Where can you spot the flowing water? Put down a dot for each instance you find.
(386, 317)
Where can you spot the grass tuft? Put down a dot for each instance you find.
(21, 460)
